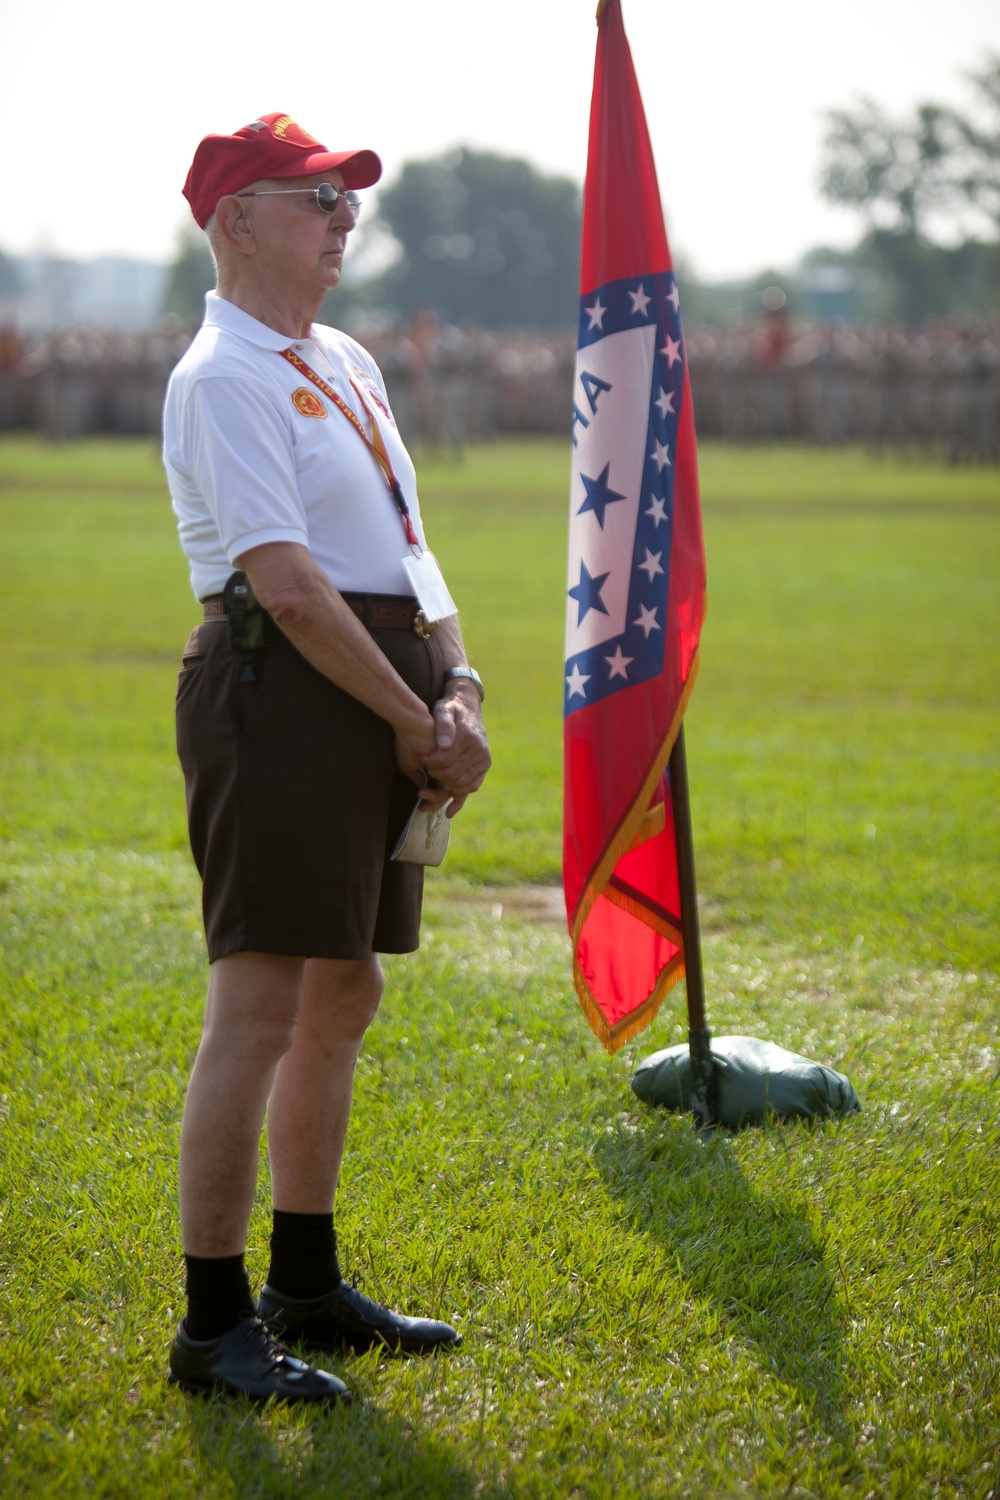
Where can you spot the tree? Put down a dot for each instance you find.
(939, 158)
(191, 275)
(900, 172)
(876, 163)
(484, 238)
(978, 144)
(10, 276)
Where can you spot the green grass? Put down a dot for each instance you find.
(842, 738)
(792, 1311)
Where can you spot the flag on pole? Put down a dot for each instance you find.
(636, 593)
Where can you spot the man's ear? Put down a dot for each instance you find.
(234, 218)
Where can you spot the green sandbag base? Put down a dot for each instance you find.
(752, 1078)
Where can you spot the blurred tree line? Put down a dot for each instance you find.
(472, 235)
(484, 238)
(191, 275)
(940, 164)
(10, 281)
(476, 236)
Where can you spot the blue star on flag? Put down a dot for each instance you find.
(599, 494)
(587, 592)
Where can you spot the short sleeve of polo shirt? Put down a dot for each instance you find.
(236, 446)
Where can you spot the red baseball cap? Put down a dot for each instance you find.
(273, 146)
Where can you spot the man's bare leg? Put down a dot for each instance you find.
(310, 1104)
(253, 1004)
(307, 1122)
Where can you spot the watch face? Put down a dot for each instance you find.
(468, 674)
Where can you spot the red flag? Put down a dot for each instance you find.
(636, 593)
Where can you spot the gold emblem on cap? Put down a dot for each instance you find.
(308, 403)
(287, 129)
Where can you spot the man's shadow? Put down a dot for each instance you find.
(352, 1451)
(754, 1257)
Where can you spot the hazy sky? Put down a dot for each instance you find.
(104, 103)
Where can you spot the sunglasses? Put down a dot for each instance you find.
(326, 195)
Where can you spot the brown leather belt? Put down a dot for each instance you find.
(376, 611)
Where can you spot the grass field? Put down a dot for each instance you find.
(792, 1311)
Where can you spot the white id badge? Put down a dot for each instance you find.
(427, 582)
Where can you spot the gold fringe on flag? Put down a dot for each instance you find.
(602, 6)
(628, 833)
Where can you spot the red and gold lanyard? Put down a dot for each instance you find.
(375, 444)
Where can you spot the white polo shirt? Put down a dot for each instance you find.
(250, 459)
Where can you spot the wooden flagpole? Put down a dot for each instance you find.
(703, 1096)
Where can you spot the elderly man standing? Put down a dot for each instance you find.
(327, 684)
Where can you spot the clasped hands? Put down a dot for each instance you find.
(457, 762)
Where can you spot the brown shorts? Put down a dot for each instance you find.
(295, 801)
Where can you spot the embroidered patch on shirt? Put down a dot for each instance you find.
(308, 403)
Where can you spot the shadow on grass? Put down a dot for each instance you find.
(753, 1256)
(354, 1451)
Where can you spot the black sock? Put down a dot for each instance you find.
(219, 1295)
(303, 1254)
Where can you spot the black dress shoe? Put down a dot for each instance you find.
(346, 1317)
(249, 1360)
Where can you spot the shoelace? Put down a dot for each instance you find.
(273, 1352)
(376, 1310)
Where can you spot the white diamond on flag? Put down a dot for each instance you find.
(627, 398)
(611, 415)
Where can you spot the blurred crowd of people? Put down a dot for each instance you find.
(80, 381)
(933, 388)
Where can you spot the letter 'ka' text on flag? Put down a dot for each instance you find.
(636, 590)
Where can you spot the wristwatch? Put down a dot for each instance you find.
(471, 675)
